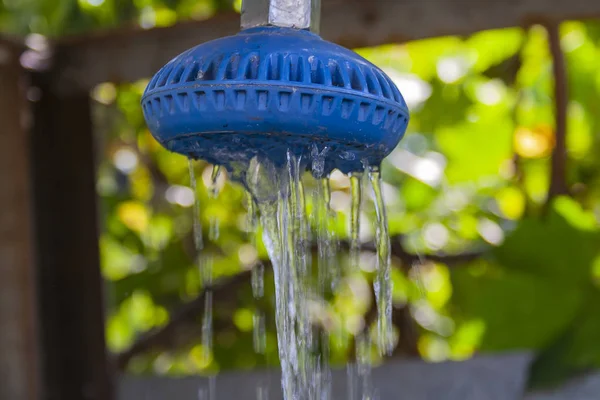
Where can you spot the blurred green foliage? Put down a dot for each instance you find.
(471, 176)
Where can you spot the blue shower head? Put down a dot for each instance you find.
(271, 89)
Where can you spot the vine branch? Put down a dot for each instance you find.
(558, 175)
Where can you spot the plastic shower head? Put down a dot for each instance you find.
(274, 88)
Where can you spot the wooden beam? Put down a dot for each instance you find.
(130, 54)
(19, 355)
(76, 365)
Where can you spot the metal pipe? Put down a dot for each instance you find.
(298, 14)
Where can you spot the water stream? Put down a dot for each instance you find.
(278, 199)
(383, 282)
(205, 266)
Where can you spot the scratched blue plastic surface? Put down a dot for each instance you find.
(266, 90)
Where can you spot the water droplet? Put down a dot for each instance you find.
(318, 161)
(259, 333)
(348, 156)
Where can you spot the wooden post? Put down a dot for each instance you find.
(19, 356)
(71, 287)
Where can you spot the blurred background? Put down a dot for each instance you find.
(493, 196)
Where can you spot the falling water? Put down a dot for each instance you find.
(357, 189)
(351, 382)
(383, 283)
(198, 240)
(328, 272)
(364, 365)
(259, 333)
(205, 268)
(277, 196)
(326, 266)
(258, 271)
(362, 369)
(207, 272)
(213, 194)
(258, 286)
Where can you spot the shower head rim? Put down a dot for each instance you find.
(292, 85)
(239, 90)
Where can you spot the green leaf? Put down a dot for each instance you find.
(476, 150)
(575, 351)
(495, 46)
(519, 310)
(561, 247)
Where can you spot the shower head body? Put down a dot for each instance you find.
(270, 90)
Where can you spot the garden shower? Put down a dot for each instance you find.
(269, 104)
